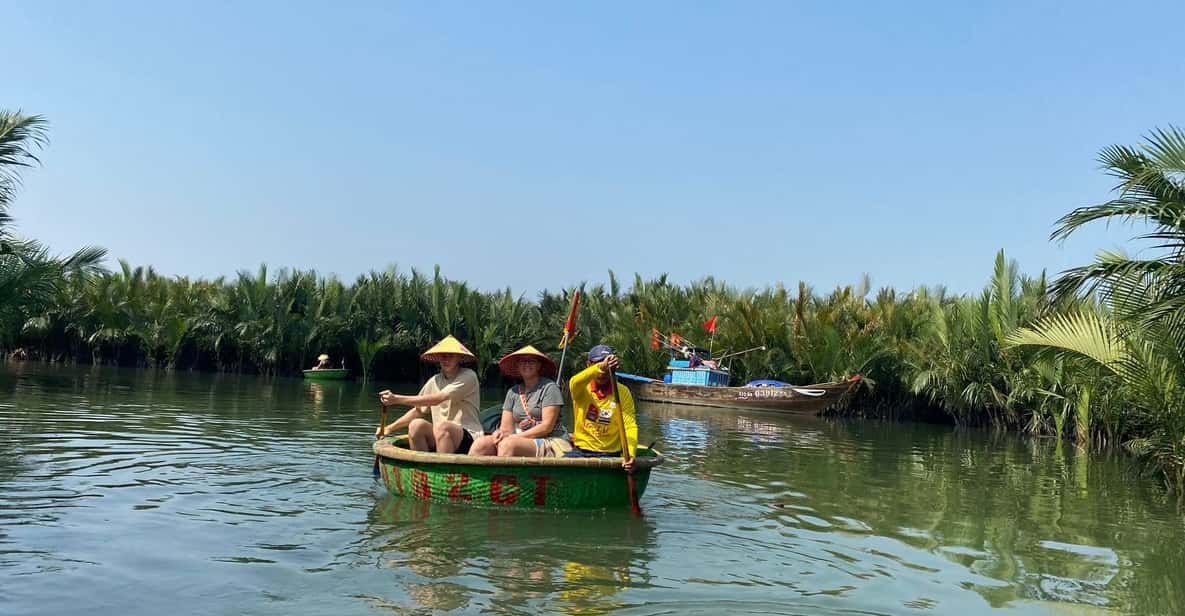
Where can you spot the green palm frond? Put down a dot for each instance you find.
(1080, 333)
(20, 136)
(1166, 148)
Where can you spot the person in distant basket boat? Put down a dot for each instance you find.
(451, 398)
(19, 354)
(597, 434)
(531, 425)
(322, 363)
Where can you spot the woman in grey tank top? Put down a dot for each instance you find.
(531, 425)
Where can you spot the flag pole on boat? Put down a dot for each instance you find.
(569, 333)
(677, 343)
(757, 348)
(674, 342)
(710, 326)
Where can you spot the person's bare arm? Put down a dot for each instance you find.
(391, 398)
(551, 414)
(506, 428)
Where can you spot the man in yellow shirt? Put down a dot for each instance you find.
(450, 398)
(597, 433)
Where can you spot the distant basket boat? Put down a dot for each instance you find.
(524, 483)
(328, 374)
(704, 386)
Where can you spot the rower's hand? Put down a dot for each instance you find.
(390, 398)
(380, 431)
(610, 363)
(628, 465)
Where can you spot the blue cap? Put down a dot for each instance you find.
(599, 352)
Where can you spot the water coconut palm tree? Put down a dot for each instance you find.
(30, 277)
(1140, 336)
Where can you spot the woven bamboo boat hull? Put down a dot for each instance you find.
(804, 400)
(326, 375)
(522, 483)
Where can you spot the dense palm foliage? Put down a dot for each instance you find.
(1136, 341)
(923, 350)
(30, 278)
(925, 353)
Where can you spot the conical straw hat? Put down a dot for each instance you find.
(322, 357)
(448, 346)
(509, 364)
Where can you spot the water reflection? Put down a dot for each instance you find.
(325, 395)
(1022, 522)
(573, 563)
(252, 495)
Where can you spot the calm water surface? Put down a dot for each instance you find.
(135, 493)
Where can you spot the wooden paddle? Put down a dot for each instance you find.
(382, 424)
(626, 454)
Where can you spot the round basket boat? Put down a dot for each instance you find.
(525, 483)
(332, 374)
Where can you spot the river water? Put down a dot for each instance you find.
(130, 492)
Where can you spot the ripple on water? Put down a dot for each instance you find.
(239, 494)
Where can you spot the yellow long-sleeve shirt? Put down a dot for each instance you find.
(595, 414)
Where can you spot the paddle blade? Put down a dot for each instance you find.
(626, 454)
(382, 424)
(635, 508)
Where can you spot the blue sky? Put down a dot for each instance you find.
(539, 144)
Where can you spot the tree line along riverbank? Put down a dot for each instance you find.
(1093, 354)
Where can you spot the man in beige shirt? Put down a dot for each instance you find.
(450, 398)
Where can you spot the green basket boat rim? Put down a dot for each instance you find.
(388, 448)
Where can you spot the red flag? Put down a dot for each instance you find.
(654, 338)
(675, 339)
(570, 324)
(710, 325)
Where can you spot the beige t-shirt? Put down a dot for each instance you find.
(463, 400)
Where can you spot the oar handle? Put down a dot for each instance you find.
(382, 425)
(626, 455)
(620, 412)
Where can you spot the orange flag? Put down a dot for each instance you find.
(570, 324)
(710, 325)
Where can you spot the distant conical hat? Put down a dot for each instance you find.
(322, 357)
(509, 364)
(448, 346)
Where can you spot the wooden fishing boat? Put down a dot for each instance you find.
(328, 374)
(785, 399)
(523, 483)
